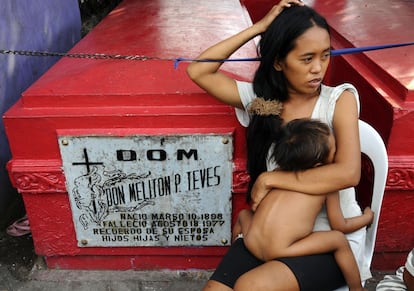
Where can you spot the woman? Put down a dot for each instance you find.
(295, 53)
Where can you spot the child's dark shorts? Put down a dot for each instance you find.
(315, 272)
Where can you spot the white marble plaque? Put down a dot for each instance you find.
(149, 190)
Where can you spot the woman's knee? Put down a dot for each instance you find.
(271, 276)
(212, 285)
(245, 283)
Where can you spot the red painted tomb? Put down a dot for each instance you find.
(113, 157)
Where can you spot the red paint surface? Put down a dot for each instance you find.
(123, 97)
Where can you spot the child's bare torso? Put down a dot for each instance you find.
(281, 219)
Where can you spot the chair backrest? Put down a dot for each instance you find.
(373, 147)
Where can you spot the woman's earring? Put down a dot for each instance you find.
(277, 66)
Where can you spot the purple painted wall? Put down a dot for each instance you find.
(43, 25)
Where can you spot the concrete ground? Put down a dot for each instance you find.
(21, 270)
(69, 280)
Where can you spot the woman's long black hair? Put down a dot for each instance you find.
(270, 84)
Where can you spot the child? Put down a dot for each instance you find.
(282, 225)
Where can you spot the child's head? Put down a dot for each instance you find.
(304, 144)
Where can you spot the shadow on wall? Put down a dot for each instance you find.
(40, 25)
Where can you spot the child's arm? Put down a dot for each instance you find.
(346, 225)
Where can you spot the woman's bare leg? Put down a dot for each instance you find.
(271, 276)
(216, 286)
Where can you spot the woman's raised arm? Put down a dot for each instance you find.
(206, 74)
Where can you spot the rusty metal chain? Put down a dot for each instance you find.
(82, 55)
(97, 56)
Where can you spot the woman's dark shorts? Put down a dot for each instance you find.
(315, 272)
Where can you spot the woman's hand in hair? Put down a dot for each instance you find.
(275, 11)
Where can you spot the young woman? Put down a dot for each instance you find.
(295, 53)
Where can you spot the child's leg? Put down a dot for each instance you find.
(327, 241)
(348, 265)
(242, 224)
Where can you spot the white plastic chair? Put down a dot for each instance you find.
(373, 146)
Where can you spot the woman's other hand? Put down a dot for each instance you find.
(259, 190)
